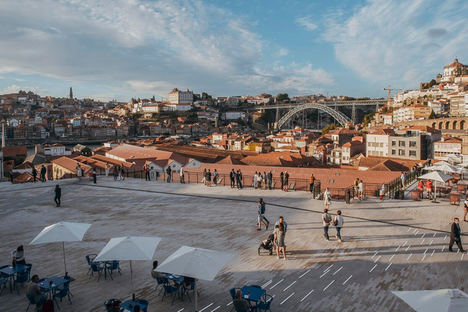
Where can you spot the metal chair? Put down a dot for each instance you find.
(168, 290)
(64, 291)
(22, 278)
(96, 267)
(89, 260)
(265, 303)
(111, 266)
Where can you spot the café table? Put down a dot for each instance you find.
(48, 285)
(130, 304)
(10, 271)
(252, 293)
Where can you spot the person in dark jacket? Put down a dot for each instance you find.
(94, 175)
(455, 235)
(270, 179)
(58, 195)
(34, 174)
(43, 173)
(232, 176)
(168, 171)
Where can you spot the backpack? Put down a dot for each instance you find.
(327, 218)
(48, 306)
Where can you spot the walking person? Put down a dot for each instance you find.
(79, 171)
(382, 192)
(429, 189)
(43, 173)
(455, 235)
(58, 195)
(147, 172)
(215, 177)
(264, 180)
(421, 189)
(311, 183)
(403, 179)
(107, 169)
(261, 216)
(279, 234)
(286, 181)
(356, 189)
(327, 198)
(116, 172)
(338, 223)
(239, 179)
(282, 180)
(326, 219)
(94, 175)
(34, 174)
(361, 189)
(169, 172)
(122, 174)
(232, 176)
(255, 180)
(270, 179)
(182, 175)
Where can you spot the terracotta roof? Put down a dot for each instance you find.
(112, 161)
(228, 160)
(131, 153)
(14, 151)
(91, 161)
(349, 144)
(372, 161)
(284, 159)
(450, 140)
(389, 165)
(455, 63)
(70, 164)
(383, 132)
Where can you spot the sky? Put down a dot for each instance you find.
(118, 49)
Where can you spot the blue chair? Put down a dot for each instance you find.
(265, 303)
(190, 288)
(89, 260)
(3, 282)
(22, 278)
(143, 304)
(96, 267)
(161, 281)
(63, 291)
(111, 266)
(31, 302)
(168, 290)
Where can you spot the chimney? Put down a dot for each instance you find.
(3, 134)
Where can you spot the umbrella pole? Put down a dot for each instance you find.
(64, 262)
(196, 296)
(435, 192)
(131, 279)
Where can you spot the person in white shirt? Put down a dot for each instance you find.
(327, 198)
(338, 223)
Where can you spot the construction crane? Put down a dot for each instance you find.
(389, 89)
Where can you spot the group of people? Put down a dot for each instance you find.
(236, 179)
(428, 187)
(119, 173)
(358, 186)
(43, 173)
(210, 178)
(262, 180)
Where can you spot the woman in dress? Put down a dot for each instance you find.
(327, 198)
(279, 240)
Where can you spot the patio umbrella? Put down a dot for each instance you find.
(129, 248)
(438, 300)
(197, 263)
(444, 168)
(436, 176)
(61, 232)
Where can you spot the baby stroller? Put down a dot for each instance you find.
(267, 244)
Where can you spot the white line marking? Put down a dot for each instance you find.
(377, 259)
(307, 295)
(423, 235)
(287, 298)
(404, 244)
(445, 237)
(227, 305)
(431, 242)
(424, 257)
(426, 250)
(388, 266)
(409, 256)
(289, 285)
(206, 307)
(304, 273)
(373, 268)
(328, 268)
(432, 252)
(416, 233)
(443, 248)
(347, 279)
(374, 254)
(276, 284)
(216, 308)
(324, 274)
(267, 283)
(337, 270)
(181, 310)
(328, 285)
(398, 248)
(391, 257)
(423, 241)
(434, 234)
(463, 254)
(458, 251)
(409, 246)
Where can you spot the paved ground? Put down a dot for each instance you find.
(390, 245)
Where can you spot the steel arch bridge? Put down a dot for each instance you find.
(341, 118)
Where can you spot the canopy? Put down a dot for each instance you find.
(61, 232)
(129, 248)
(438, 300)
(197, 263)
(436, 176)
(194, 262)
(444, 168)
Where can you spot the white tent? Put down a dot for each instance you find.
(435, 176)
(61, 232)
(129, 248)
(444, 168)
(197, 263)
(439, 300)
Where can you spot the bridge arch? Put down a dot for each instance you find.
(434, 125)
(440, 126)
(447, 125)
(341, 118)
(462, 125)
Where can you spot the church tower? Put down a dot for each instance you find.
(71, 93)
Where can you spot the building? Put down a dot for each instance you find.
(459, 105)
(233, 115)
(447, 146)
(414, 112)
(350, 149)
(180, 100)
(456, 69)
(56, 150)
(377, 143)
(409, 145)
(65, 167)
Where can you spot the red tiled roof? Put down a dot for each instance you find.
(70, 164)
(112, 161)
(14, 151)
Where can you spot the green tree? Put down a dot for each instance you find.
(327, 129)
(367, 118)
(282, 97)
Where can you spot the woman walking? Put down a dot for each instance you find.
(338, 223)
(279, 240)
(327, 198)
(261, 216)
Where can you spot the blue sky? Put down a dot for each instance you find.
(138, 48)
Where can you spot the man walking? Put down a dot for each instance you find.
(282, 179)
(147, 173)
(168, 171)
(239, 179)
(232, 176)
(326, 219)
(94, 176)
(261, 216)
(43, 173)
(286, 181)
(34, 174)
(311, 183)
(215, 177)
(182, 175)
(338, 223)
(270, 179)
(58, 195)
(455, 235)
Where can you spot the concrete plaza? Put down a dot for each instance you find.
(389, 245)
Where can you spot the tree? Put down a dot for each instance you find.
(368, 118)
(282, 97)
(327, 129)
(433, 115)
(192, 117)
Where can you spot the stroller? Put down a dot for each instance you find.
(267, 244)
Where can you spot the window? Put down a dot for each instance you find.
(393, 152)
(393, 143)
(381, 144)
(401, 143)
(412, 143)
(412, 153)
(401, 152)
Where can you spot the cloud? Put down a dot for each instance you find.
(281, 52)
(399, 42)
(306, 23)
(15, 88)
(143, 46)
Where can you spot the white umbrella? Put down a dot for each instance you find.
(436, 176)
(129, 248)
(61, 232)
(197, 263)
(439, 300)
(443, 168)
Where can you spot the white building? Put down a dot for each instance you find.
(180, 97)
(377, 143)
(231, 115)
(75, 122)
(56, 150)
